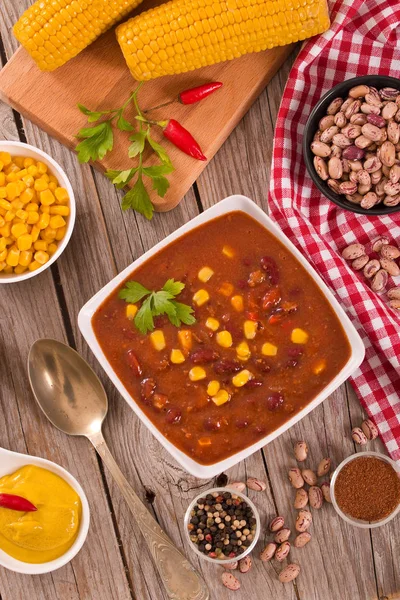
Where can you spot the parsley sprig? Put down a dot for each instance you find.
(99, 139)
(158, 303)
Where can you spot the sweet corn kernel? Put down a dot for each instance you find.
(205, 274)
(12, 191)
(19, 269)
(16, 205)
(45, 209)
(185, 339)
(25, 258)
(28, 162)
(61, 231)
(242, 378)
(1, 165)
(226, 289)
(22, 214)
(224, 339)
(8, 270)
(57, 221)
(2, 179)
(213, 387)
(237, 303)
(158, 340)
(221, 397)
(5, 204)
(3, 265)
(43, 221)
(40, 245)
(201, 297)
(24, 242)
(197, 373)
(131, 309)
(32, 170)
(177, 356)
(250, 329)
(243, 351)
(59, 210)
(18, 230)
(52, 179)
(35, 233)
(28, 181)
(41, 185)
(52, 186)
(269, 349)
(299, 336)
(34, 265)
(21, 174)
(41, 257)
(212, 324)
(12, 257)
(3, 255)
(228, 251)
(204, 441)
(33, 217)
(5, 230)
(3, 244)
(9, 216)
(31, 206)
(3, 193)
(52, 248)
(319, 367)
(47, 197)
(18, 161)
(5, 158)
(61, 195)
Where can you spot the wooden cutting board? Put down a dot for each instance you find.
(100, 79)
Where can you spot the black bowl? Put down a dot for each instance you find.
(341, 90)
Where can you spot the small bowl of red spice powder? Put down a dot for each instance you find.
(365, 489)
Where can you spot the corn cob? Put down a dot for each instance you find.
(54, 31)
(183, 35)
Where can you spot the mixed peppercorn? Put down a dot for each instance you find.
(222, 525)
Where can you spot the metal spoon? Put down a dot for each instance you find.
(74, 400)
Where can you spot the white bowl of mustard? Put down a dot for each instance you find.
(67, 540)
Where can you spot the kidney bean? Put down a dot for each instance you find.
(274, 401)
(271, 268)
(353, 153)
(148, 387)
(133, 363)
(212, 424)
(204, 356)
(254, 383)
(174, 415)
(262, 365)
(376, 120)
(242, 423)
(227, 366)
(271, 298)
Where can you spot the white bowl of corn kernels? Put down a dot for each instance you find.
(37, 211)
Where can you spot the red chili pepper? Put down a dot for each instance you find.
(182, 139)
(16, 503)
(193, 95)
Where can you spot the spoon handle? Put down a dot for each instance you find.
(181, 580)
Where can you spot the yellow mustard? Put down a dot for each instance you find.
(46, 534)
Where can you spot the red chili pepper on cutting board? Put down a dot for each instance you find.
(182, 139)
(193, 95)
(16, 503)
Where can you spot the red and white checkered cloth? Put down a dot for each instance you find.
(364, 39)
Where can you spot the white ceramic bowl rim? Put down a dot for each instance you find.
(232, 203)
(348, 518)
(22, 149)
(226, 560)
(18, 566)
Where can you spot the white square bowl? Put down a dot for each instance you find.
(233, 203)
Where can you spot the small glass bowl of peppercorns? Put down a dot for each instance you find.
(222, 525)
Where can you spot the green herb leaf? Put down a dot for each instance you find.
(138, 199)
(133, 292)
(159, 150)
(161, 185)
(92, 115)
(158, 303)
(158, 170)
(144, 317)
(123, 124)
(137, 147)
(173, 287)
(99, 140)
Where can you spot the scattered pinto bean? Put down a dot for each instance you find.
(371, 268)
(379, 281)
(326, 491)
(395, 304)
(389, 251)
(390, 266)
(268, 552)
(309, 476)
(231, 566)
(282, 551)
(360, 262)
(282, 535)
(370, 429)
(303, 520)
(289, 573)
(302, 539)
(358, 436)
(301, 499)
(378, 243)
(394, 293)
(240, 486)
(276, 524)
(296, 478)
(324, 467)
(353, 251)
(245, 564)
(301, 451)
(230, 581)
(255, 484)
(315, 496)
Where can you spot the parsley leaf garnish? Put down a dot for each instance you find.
(157, 303)
(98, 141)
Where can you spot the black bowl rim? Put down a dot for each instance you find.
(338, 90)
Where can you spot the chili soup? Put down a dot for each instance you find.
(265, 343)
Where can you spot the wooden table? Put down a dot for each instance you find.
(341, 562)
